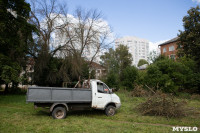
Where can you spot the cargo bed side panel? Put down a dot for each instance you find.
(61, 95)
(39, 94)
(54, 94)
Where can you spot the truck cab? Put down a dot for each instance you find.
(102, 96)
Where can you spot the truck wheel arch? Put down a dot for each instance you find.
(113, 104)
(59, 104)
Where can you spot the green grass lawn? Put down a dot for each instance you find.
(17, 116)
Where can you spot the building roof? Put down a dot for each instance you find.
(169, 41)
(96, 65)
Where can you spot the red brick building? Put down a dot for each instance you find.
(169, 48)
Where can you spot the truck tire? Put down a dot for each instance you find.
(59, 113)
(110, 110)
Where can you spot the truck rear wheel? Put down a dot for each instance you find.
(110, 110)
(59, 113)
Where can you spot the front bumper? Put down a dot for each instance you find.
(118, 105)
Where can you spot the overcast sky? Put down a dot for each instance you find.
(154, 20)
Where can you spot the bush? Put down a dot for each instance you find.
(112, 80)
(129, 76)
(168, 76)
(162, 104)
(18, 91)
(139, 91)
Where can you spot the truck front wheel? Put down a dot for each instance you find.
(59, 113)
(110, 110)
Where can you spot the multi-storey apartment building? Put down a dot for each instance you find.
(139, 48)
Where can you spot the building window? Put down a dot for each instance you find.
(172, 56)
(171, 48)
(98, 71)
(164, 50)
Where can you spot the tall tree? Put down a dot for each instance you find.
(15, 34)
(123, 57)
(76, 39)
(109, 61)
(189, 39)
(117, 60)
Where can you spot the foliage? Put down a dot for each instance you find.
(49, 71)
(109, 61)
(152, 56)
(142, 62)
(116, 61)
(65, 57)
(189, 40)
(139, 91)
(15, 33)
(161, 104)
(112, 80)
(140, 80)
(129, 76)
(193, 83)
(169, 76)
(10, 74)
(160, 57)
(92, 74)
(53, 71)
(123, 58)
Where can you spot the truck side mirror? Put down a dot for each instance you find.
(105, 90)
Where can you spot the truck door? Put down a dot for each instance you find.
(102, 96)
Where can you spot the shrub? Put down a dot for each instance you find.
(139, 91)
(112, 80)
(162, 104)
(16, 91)
(129, 76)
(168, 76)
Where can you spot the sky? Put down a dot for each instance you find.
(154, 20)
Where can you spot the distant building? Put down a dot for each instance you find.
(100, 70)
(169, 48)
(139, 48)
(143, 67)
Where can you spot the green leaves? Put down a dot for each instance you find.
(129, 76)
(189, 39)
(15, 33)
(170, 76)
(142, 62)
(116, 61)
(10, 73)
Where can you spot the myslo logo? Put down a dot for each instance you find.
(185, 129)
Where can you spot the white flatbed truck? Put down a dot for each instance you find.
(94, 94)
